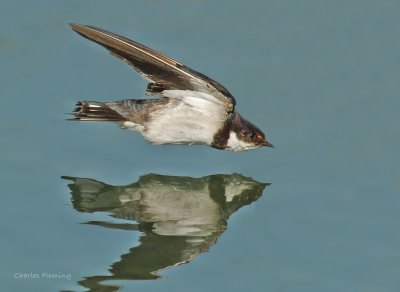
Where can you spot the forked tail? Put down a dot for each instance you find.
(94, 111)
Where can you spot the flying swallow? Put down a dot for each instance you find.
(189, 108)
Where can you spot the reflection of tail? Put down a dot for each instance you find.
(85, 193)
(95, 112)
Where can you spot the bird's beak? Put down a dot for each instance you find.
(267, 144)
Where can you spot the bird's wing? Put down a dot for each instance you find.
(164, 73)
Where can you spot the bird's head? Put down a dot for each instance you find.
(244, 135)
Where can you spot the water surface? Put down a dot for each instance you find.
(319, 77)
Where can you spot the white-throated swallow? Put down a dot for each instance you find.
(191, 108)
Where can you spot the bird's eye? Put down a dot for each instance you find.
(252, 135)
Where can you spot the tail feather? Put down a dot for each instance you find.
(96, 112)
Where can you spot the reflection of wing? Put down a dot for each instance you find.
(163, 72)
(180, 217)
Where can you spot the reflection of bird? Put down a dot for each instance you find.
(180, 217)
(191, 108)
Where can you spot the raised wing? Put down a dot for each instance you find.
(164, 73)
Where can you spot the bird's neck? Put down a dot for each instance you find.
(221, 137)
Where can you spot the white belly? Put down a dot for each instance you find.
(189, 120)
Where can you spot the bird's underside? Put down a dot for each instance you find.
(189, 108)
(160, 121)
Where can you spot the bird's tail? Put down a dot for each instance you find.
(94, 111)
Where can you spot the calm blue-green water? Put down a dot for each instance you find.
(321, 78)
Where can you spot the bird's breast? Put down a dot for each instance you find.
(184, 121)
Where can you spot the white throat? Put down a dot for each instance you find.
(236, 145)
